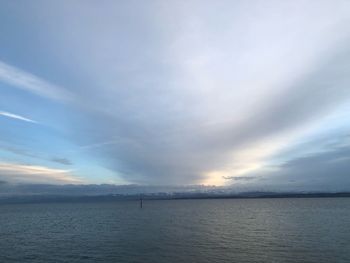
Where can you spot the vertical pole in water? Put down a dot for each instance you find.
(140, 201)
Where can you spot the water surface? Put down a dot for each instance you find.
(232, 230)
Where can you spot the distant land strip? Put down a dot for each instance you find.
(161, 196)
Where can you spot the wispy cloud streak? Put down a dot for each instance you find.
(29, 82)
(15, 116)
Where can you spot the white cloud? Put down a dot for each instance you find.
(19, 173)
(15, 116)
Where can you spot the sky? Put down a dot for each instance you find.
(251, 94)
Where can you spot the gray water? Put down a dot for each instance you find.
(235, 230)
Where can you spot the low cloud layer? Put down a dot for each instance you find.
(18, 173)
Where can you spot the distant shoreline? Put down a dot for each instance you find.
(149, 197)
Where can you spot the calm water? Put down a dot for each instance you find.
(254, 230)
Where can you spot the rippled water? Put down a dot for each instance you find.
(236, 230)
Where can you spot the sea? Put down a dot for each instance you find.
(310, 230)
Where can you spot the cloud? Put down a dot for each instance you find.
(64, 161)
(27, 154)
(325, 169)
(101, 144)
(239, 178)
(15, 116)
(170, 146)
(26, 81)
(19, 173)
(181, 94)
(210, 94)
(17, 151)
